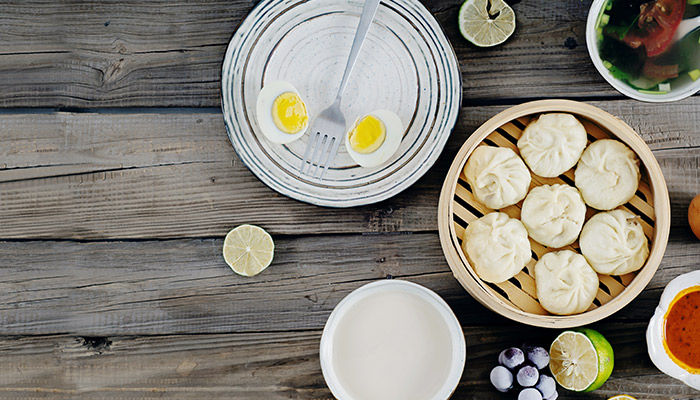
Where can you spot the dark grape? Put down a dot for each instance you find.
(546, 386)
(538, 356)
(527, 376)
(511, 357)
(501, 378)
(529, 394)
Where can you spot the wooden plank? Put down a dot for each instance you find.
(156, 175)
(184, 286)
(278, 365)
(116, 54)
(162, 175)
(169, 53)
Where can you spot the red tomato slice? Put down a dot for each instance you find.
(658, 22)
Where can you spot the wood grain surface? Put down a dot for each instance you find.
(169, 53)
(118, 183)
(184, 286)
(170, 175)
(272, 365)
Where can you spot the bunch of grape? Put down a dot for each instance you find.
(521, 370)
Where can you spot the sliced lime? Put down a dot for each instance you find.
(581, 360)
(248, 250)
(486, 23)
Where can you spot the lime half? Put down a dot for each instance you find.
(248, 250)
(606, 358)
(486, 23)
(581, 360)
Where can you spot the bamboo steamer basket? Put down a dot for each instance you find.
(517, 298)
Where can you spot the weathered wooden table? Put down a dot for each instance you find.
(118, 183)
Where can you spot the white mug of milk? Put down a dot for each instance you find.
(392, 339)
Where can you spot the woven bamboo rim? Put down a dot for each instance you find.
(516, 299)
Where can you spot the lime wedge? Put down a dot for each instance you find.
(574, 361)
(581, 360)
(605, 354)
(486, 23)
(248, 250)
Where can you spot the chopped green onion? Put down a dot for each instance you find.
(693, 2)
(694, 74)
(608, 5)
(664, 87)
(651, 91)
(602, 20)
(617, 73)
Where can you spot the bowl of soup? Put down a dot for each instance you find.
(392, 339)
(633, 45)
(673, 335)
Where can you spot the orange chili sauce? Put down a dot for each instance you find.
(682, 333)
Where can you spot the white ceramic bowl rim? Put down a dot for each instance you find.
(592, 44)
(655, 331)
(459, 353)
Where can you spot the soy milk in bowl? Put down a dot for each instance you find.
(392, 340)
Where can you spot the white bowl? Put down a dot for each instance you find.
(686, 89)
(432, 300)
(655, 331)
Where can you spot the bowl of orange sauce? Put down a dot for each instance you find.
(673, 335)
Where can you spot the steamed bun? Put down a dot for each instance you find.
(497, 247)
(553, 215)
(607, 174)
(613, 242)
(497, 176)
(566, 284)
(552, 144)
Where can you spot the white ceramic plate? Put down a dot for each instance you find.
(656, 329)
(406, 65)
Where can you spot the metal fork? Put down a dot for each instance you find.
(329, 127)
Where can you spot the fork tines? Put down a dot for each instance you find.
(317, 162)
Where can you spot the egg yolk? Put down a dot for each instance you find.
(289, 113)
(368, 135)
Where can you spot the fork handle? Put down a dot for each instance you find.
(368, 12)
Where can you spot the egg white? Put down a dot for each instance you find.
(271, 91)
(394, 134)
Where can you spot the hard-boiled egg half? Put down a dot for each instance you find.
(374, 138)
(281, 112)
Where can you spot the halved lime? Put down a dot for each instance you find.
(581, 360)
(248, 249)
(486, 23)
(606, 358)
